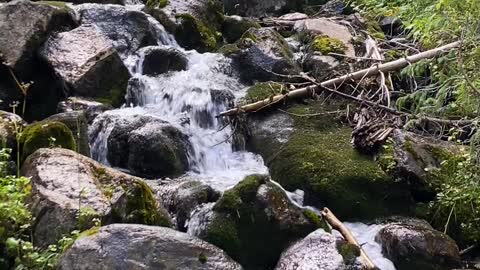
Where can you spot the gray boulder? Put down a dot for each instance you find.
(147, 146)
(260, 8)
(126, 28)
(316, 251)
(77, 123)
(85, 59)
(320, 65)
(254, 222)
(24, 26)
(415, 245)
(264, 53)
(123, 246)
(91, 108)
(181, 196)
(235, 26)
(70, 190)
(158, 60)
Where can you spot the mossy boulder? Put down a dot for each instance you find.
(264, 53)
(70, 190)
(46, 134)
(235, 26)
(255, 221)
(76, 121)
(264, 90)
(326, 45)
(316, 156)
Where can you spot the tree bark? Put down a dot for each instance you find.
(338, 225)
(336, 82)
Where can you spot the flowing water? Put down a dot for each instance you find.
(189, 100)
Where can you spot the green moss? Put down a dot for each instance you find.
(320, 160)
(244, 191)
(90, 232)
(40, 134)
(326, 45)
(263, 90)
(349, 252)
(202, 258)
(142, 208)
(157, 3)
(316, 220)
(249, 35)
(229, 49)
(386, 159)
(195, 34)
(233, 28)
(58, 4)
(223, 233)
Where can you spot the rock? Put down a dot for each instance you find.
(264, 52)
(320, 65)
(317, 157)
(196, 24)
(126, 28)
(77, 123)
(391, 26)
(417, 160)
(181, 197)
(128, 246)
(316, 251)
(413, 246)
(158, 60)
(329, 28)
(70, 190)
(85, 59)
(147, 146)
(296, 16)
(9, 124)
(235, 26)
(255, 221)
(91, 108)
(46, 134)
(260, 8)
(24, 26)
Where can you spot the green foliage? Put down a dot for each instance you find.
(326, 45)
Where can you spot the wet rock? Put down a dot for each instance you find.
(316, 156)
(316, 251)
(255, 221)
(158, 60)
(85, 59)
(46, 134)
(147, 146)
(320, 65)
(391, 26)
(235, 26)
(124, 246)
(126, 28)
(417, 161)
(180, 197)
(413, 246)
(196, 24)
(9, 124)
(329, 28)
(91, 108)
(24, 26)
(70, 190)
(77, 123)
(264, 53)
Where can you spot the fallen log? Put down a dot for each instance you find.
(336, 82)
(338, 225)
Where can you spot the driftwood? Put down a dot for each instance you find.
(337, 82)
(338, 225)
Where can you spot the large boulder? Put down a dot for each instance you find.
(263, 54)
(127, 29)
(70, 190)
(159, 60)
(85, 59)
(196, 24)
(235, 26)
(147, 146)
(44, 134)
(316, 251)
(180, 197)
(77, 123)
(254, 222)
(261, 8)
(127, 246)
(24, 26)
(91, 107)
(10, 126)
(415, 245)
(312, 152)
(417, 160)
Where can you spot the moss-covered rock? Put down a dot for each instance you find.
(76, 121)
(326, 45)
(317, 157)
(255, 221)
(195, 34)
(234, 27)
(229, 49)
(71, 190)
(46, 134)
(264, 90)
